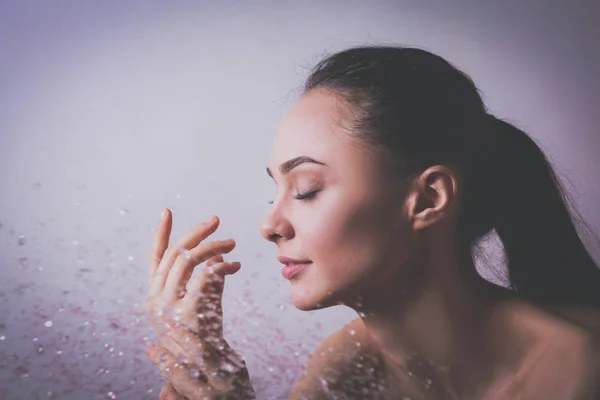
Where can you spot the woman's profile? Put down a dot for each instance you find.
(390, 171)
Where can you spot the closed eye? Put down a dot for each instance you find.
(303, 196)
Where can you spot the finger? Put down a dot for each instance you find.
(204, 356)
(211, 279)
(190, 240)
(215, 259)
(183, 268)
(168, 392)
(179, 375)
(160, 243)
(205, 295)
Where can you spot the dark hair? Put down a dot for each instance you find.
(417, 110)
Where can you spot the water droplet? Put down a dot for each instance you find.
(48, 324)
(178, 197)
(2, 337)
(59, 352)
(40, 349)
(123, 211)
(358, 344)
(22, 240)
(35, 339)
(186, 253)
(111, 395)
(228, 367)
(352, 332)
(49, 393)
(120, 353)
(195, 373)
(324, 385)
(75, 243)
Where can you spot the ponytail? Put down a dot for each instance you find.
(528, 208)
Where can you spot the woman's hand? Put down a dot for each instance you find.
(226, 371)
(170, 298)
(198, 307)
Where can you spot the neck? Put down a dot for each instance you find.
(448, 333)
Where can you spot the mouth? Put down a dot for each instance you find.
(288, 261)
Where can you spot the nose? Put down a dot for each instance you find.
(275, 226)
(269, 232)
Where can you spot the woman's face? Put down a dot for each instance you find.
(353, 229)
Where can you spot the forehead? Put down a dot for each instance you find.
(313, 127)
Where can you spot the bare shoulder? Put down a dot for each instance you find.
(587, 317)
(569, 363)
(568, 370)
(345, 364)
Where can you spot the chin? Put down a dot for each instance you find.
(304, 300)
(309, 299)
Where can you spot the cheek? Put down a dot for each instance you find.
(350, 240)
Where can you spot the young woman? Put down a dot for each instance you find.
(389, 172)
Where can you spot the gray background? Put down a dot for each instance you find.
(110, 111)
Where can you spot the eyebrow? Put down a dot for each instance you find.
(289, 165)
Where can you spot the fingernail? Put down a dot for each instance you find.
(163, 215)
(211, 219)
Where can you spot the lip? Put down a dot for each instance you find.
(288, 260)
(290, 270)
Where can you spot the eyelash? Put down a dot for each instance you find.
(304, 196)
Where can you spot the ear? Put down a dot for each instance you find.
(433, 197)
